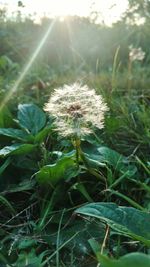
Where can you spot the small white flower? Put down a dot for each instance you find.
(136, 53)
(75, 109)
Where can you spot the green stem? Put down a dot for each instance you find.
(81, 156)
(129, 200)
(129, 74)
(77, 148)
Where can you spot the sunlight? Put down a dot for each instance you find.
(109, 10)
(27, 67)
(60, 8)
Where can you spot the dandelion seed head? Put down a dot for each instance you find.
(76, 109)
(136, 53)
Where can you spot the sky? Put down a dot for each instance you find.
(109, 10)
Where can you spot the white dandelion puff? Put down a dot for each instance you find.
(136, 53)
(76, 109)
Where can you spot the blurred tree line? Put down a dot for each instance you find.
(77, 43)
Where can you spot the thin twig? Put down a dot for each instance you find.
(105, 239)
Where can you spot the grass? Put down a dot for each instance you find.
(39, 226)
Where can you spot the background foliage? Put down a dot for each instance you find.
(53, 211)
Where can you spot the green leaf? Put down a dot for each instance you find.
(126, 220)
(26, 162)
(23, 186)
(6, 203)
(6, 119)
(94, 245)
(48, 205)
(64, 168)
(112, 124)
(116, 160)
(80, 242)
(82, 189)
(104, 155)
(31, 118)
(14, 133)
(132, 260)
(4, 260)
(27, 243)
(40, 137)
(5, 62)
(17, 149)
(132, 202)
(30, 259)
(4, 165)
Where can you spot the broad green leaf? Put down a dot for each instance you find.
(31, 118)
(17, 149)
(116, 160)
(126, 220)
(132, 260)
(64, 168)
(104, 155)
(23, 186)
(26, 162)
(14, 133)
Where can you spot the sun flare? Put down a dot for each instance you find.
(60, 7)
(108, 10)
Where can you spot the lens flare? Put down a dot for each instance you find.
(27, 67)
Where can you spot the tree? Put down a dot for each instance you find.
(138, 9)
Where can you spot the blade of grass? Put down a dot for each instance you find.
(119, 180)
(81, 188)
(58, 237)
(143, 165)
(129, 200)
(5, 165)
(142, 185)
(6, 203)
(114, 69)
(49, 207)
(59, 248)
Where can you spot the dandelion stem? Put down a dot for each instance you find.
(77, 148)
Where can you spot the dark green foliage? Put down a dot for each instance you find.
(125, 220)
(49, 185)
(57, 210)
(132, 259)
(31, 118)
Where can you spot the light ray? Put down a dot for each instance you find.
(27, 66)
(75, 53)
